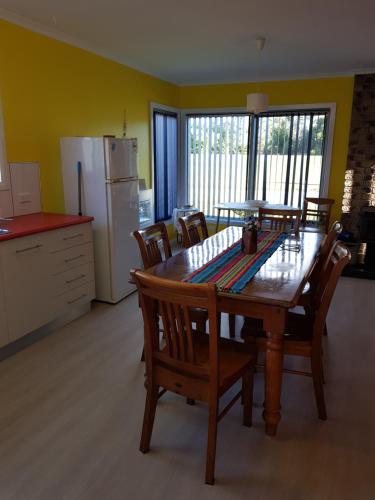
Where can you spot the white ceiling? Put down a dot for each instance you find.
(201, 41)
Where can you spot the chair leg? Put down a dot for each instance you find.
(211, 442)
(148, 418)
(247, 397)
(317, 375)
(232, 325)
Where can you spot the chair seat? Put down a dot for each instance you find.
(297, 336)
(235, 358)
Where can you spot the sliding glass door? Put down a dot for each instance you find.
(275, 156)
(217, 159)
(288, 155)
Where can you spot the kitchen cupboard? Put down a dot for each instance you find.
(43, 277)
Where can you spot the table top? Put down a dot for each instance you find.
(24, 225)
(280, 280)
(247, 206)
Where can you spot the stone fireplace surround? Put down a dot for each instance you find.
(359, 187)
(358, 204)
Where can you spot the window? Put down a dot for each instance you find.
(165, 141)
(276, 156)
(288, 156)
(217, 160)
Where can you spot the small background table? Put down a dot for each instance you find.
(245, 207)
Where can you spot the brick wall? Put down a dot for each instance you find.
(359, 189)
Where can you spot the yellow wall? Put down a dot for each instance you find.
(338, 90)
(50, 89)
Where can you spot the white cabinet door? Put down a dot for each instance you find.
(4, 336)
(26, 270)
(43, 276)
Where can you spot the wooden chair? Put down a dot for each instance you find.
(279, 219)
(319, 216)
(303, 335)
(194, 229)
(151, 241)
(197, 366)
(315, 275)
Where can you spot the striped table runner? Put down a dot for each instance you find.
(232, 270)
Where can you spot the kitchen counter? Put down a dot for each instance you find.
(25, 225)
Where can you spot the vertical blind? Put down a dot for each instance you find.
(288, 156)
(217, 148)
(165, 164)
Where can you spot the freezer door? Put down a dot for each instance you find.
(121, 158)
(123, 211)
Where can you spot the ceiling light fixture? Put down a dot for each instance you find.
(258, 102)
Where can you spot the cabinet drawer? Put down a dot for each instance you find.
(70, 236)
(72, 257)
(25, 248)
(73, 278)
(76, 297)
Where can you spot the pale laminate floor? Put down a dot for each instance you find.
(71, 409)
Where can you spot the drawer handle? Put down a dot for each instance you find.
(72, 237)
(29, 248)
(74, 258)
(75, 279)
(77, 299)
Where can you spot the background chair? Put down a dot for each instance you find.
(151, 241)
(316, 272)
(303, 334)
(316, 214)
(194, 229)
(279, 219)
(196, 366)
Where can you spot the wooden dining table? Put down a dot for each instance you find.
(274, 290)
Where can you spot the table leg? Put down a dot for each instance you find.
(274, 325)
(217, 220)
(228, 219)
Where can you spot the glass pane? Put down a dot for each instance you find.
(165, 165)
(217, 160)
(289, 159)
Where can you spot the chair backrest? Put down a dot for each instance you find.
(194, 229)
(150, 241)
(325, 247)
(319, 213)
(173, 301)
(338, 257)
(279, 219)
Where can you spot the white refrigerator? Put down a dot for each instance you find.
(100, 179)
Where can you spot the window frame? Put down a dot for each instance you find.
(330, 107)
(155, 107)
(4, 167)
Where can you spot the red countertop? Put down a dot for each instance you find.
(25, 225)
